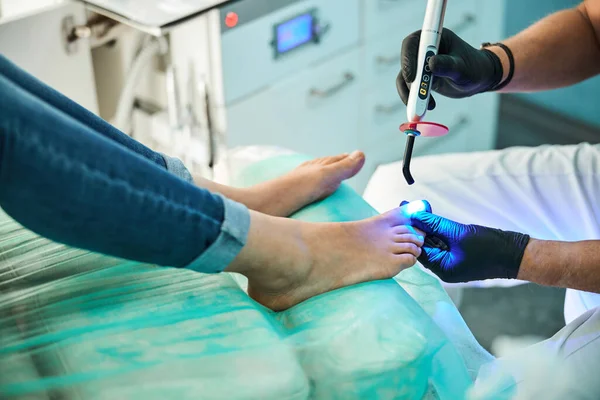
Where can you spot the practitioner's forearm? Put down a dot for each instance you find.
(560, 50)
(269, 236)
(574, 265)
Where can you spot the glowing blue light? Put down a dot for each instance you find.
(414, 207)
(294, 33)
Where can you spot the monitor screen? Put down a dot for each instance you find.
(294, 33)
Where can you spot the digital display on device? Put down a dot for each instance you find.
(294, 33)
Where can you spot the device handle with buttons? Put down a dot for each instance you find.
(431, 33)
(420, 90)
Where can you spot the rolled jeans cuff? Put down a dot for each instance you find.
(234, 229)
(176, 167)
(231, 239)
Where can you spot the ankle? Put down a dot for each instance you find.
(275, 249)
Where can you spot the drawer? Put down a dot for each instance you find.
(249, 62)
(385, 15)
(316, 112)
(382, 57)
(383, 112)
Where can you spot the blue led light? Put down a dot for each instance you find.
(415, 206)
(294, 33)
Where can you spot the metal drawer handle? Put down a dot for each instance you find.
(463, 120)
(383, 60)
(466, 21)
(330, 91)
(388, 3)
(389, 109)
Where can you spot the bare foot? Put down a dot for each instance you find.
(309, 182)
(288, 261)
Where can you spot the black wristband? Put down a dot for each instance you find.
(519, 242)
(511, 63)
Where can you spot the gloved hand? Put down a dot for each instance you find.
(459, 69)
(461, 253)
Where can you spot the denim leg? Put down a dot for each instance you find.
(52, 97)
(67, 182)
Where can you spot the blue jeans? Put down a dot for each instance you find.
(68, 175)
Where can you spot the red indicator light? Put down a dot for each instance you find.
(231, 19)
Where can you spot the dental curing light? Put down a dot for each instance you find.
(420, 89)
(416, 206)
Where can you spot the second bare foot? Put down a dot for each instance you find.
(333, 255)
(311, 181)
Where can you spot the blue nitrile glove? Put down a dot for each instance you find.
(461, 253)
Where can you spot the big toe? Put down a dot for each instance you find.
(396, 217)
(349, 165)
(332, 159)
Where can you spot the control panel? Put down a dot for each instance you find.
(296, 32)
(273, 42)
(426, 76)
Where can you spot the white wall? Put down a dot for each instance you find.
(34, 41)
(578, 101)
(12, 8)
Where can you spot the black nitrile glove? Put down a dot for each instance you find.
(461, 253)
(459, 69)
